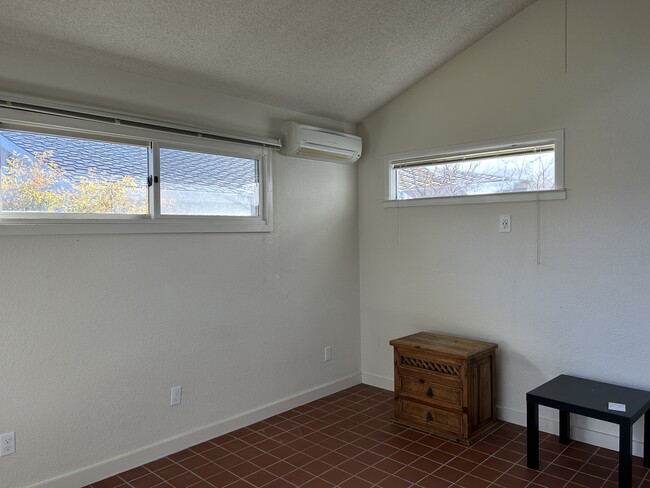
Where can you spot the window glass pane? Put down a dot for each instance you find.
(198, 183)
(533, 171)
(63, 175)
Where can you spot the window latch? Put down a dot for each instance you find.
(151, 180)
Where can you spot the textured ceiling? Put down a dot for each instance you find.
(335, 58)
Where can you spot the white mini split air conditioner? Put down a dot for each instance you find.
(305, 141)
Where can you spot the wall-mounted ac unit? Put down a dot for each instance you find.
(305, 141)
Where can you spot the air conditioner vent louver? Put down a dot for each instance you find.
(303, 141)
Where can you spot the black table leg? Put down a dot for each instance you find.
(565, 427)
(532, 434)
(625, 456)
(646, 438)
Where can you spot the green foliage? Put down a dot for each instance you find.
(38, 184)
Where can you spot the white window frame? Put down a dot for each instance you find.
(153, 223)
(555, 137)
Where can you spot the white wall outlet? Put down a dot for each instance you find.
(7, 443)
(327, 351)
(176, 396)
(504, 223)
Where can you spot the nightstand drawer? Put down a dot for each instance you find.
(419, 362)
(429, 417)
(428, 390)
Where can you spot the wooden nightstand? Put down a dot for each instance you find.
(445, 385)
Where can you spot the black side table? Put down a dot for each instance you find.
(592, 399)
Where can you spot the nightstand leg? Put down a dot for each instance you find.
(565, 427)
(532, 434)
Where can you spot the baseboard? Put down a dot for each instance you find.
(378, 381)
(150, 453)
(589, 435)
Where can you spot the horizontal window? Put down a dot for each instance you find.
(62, 175)
(523, 168)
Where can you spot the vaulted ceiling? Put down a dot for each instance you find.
(336, 58)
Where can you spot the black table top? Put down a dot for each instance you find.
(591, 398)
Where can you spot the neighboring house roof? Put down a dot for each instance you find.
(179, 169)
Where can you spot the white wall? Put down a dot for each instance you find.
(584, 310)
(94, 330)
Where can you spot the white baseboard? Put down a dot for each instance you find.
(582, 433)
(150, 453)
(378, 381)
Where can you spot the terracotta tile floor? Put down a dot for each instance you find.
(348, 440)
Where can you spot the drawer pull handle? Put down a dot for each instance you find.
(421, 380)
(429, 417)
(429, 392)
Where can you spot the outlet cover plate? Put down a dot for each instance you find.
(327, 351)
(504, 223)
(176, 396)
(7, 443)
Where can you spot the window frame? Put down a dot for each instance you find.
(555, 137)
(153, 222)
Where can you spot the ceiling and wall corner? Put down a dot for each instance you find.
(336, 59)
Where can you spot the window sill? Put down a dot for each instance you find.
(529, 196)
(196, 226)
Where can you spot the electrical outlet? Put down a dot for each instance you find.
(176, 396)
(7, 443)
(504, 223)
(328, 353)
